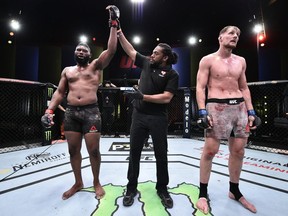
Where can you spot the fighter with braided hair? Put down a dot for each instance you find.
(157, 86)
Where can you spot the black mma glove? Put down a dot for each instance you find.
(203, 121)
(114, 14)
(47, 119)
(256, 121)
(136, 94)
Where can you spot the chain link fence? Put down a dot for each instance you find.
(270, 100)
(23, 103)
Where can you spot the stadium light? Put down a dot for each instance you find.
(15, 25)
(136, 40)
(83, 39)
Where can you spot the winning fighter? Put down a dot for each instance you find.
(228, 114)
(82, 116)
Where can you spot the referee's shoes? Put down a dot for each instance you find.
(128, 199)
(166, 199)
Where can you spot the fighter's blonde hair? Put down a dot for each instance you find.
(225, 29)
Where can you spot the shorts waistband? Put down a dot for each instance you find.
(82, 107)
(230, 101)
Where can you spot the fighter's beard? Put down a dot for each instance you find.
(81, 61)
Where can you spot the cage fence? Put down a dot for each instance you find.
(24, 102)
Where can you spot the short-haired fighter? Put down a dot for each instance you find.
(226, 113)
(82, 116)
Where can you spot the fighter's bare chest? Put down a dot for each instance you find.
(85, 75)
(226, 69)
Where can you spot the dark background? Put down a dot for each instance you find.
(61, 21)
(51, 29)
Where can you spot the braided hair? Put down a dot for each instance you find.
(167, 51)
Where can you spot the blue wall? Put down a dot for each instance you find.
(269, 64)
(27, 61)
(183, 66)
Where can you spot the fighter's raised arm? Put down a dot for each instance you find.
(106, 56)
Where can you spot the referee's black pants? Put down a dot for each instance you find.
(157, 126)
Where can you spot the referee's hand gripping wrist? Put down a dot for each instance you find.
(135, 94)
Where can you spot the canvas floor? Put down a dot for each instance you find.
(32, 181)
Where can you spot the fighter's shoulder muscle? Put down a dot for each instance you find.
(208, 59)
(67, 70)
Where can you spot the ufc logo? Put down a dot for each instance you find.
(126, 62)
(233, 102)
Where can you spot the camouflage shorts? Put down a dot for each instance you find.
(229, 120)
(83, 119)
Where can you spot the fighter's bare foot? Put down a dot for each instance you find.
(99, 192)
(75, 188)
(245, 203)
(202, 205)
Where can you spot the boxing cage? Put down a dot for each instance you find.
(24, 102)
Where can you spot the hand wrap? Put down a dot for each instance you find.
(257, 120)
(47, 119)
(203, 121)
(114, 24)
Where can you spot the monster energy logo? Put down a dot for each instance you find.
(49, 92)
(48, 135)
(149, 202)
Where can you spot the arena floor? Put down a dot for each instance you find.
(32, 182)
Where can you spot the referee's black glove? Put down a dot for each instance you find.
(135, 94)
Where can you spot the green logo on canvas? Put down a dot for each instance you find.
(150, 202)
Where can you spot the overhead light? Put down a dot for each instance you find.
(15, 25)
(137, 1)
(136, 39)
(83, 39)
(258, 28)
(192, 40)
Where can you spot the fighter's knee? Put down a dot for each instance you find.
(209, 154)
(73, 151)
(238, 153)
(94, 152)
